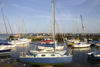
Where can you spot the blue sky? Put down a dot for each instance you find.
(37, 15)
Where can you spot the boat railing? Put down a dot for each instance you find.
(22, 54)
(25, 54)
(69, 52)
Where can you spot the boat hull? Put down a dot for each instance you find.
(5, 51)
(80, 45)
(46, 60)
(94, 56)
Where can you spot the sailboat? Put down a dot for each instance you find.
(23, 39)
(20, 40)
(81, 44)
(4, 49)
(46, 58)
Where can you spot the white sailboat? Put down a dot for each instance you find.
(5, 46)
(46, 58)
(81, 44)
(23, 38)
(17, 42)
(4, 50)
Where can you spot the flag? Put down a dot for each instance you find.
(82, 26)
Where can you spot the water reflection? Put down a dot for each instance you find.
(79, 59)
(5, 57)
(81, 49)
(94, 62)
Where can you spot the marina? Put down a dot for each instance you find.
(65, 44)
(80, 57)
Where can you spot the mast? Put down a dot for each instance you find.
(23, 27)
(3, 18)
(19, 26)
(82, 25)
(54, 23)
(7, 25)
(78, 25)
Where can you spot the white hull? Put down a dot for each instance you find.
(25, 40)
(10, 46)
(4, 50)
(56, 47)
(16, 42)
(81, 45)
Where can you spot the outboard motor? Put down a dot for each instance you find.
(92, 55)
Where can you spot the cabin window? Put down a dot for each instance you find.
(52, 55)
(42, 55)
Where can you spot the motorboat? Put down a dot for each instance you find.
(94, 55)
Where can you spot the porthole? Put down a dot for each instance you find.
(43, 55)
(52, 55)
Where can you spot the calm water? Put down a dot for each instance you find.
(79, 59)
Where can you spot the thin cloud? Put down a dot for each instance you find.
(49, 17)
(15, 5)
(76, 2)
(73, 2)
(27, 8)
(94, 4)
(67, 17)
